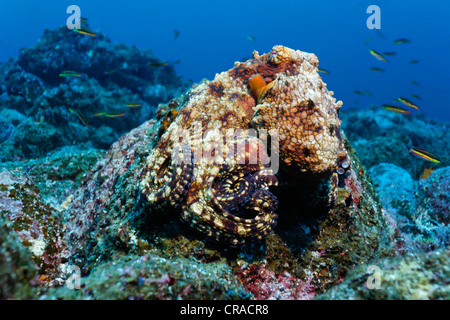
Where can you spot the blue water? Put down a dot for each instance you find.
(213, 34)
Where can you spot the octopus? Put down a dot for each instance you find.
(213, 162)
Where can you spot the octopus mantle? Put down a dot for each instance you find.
(205, 164)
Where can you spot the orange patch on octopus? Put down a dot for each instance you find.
(258, 87)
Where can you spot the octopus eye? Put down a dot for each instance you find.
(310, 104)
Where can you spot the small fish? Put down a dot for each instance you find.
(251, 38)
(414, 62)
(358, 92)
(99, 114)
(366, 42)
(415, 96)
(394, 108)
(368, 93)
(415, 83)
(424, 155)
(401, 41)
(158, 65)
(133, 105)
(376, 69)
(324, 71)
(114, 115)
(407, 102)
(109, 115)
(377, 55)
(80, 116)
(69, 74)
(85, 32)
(176, 34)
(110, 72)
(390, 53)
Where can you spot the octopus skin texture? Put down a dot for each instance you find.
(228, 197)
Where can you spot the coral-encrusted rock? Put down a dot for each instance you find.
(415, 277)
(36, 224)
(437, 195)
(153, 277)
(110, 217)
(113, 91)
(18, 271)
(381, 136)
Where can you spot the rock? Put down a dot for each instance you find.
(381, 136)
(38, 225)
(18, 272)
(53, 111)
(416, 277)
(436, 196)
(153, 277)
(395, 187)
(6, 129)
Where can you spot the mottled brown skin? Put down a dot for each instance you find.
(230, 200)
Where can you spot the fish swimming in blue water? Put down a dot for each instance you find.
(407, 103)
(80, 116)
(420, 153)
(401, 41)
(378, 55)
(85, 32)
(393, 108)
(376, 69)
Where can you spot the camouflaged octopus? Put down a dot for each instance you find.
(228, 197)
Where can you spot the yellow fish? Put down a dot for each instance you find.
(85, 32)
(69, 74)
(407, 103)
(79, 115)
(395, 109)
(158, 64)
(377, 55)
(424, 155)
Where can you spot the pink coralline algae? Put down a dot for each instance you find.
(265, 284)
(36, 223)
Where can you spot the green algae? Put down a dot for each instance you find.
(153, 277)
(18, 272)
(423, 276)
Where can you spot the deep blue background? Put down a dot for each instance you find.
(213, 36)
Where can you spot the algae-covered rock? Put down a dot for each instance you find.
(414, 277)
(436, 195)
(18, 272)
(152, 277)
(38, 225)
(395, 187)
(381, 136)
(70, 89)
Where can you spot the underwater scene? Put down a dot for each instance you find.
(224, 150)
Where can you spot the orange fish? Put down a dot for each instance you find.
(259, 87)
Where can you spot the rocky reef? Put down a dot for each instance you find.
(72, 89)
(137, 223)
(381, 136)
